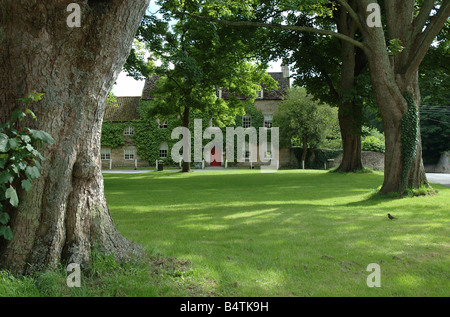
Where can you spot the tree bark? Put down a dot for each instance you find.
(65, 215)
(350, 113)
(390, 85)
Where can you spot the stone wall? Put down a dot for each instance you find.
(267, 106)
(372, 160)
(118, 158)
(443, 166)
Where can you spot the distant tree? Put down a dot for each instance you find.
(198, 59)
(330, 70)
(395, 44)
(138, 64)
(435, 111)
(303, 121)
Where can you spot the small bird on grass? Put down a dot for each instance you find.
(391, 217)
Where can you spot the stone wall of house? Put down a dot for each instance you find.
(267, 106)
(443, 166)
(118, 158)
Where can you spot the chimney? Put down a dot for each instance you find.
(285, 70)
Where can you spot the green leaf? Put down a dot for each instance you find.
(34, 96)
(4, 145)
(6, 232)
(3, 162)
(22, 165)
(32, 172)
(41, 135)
(26, 138)
(5, 177)
(4, 218)
(17, 114)
(12, 195)
(14, 143)
(31, 113)
(26, 184)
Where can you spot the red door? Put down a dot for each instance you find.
(215, 161)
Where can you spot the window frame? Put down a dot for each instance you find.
(128, 131)
(260, 94)
(108, 153)
(163, 148)
(245, 123)
(165, 125)
(161, 151)
(268, 121)
(131, 154)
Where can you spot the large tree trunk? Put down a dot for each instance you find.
(65, 214)
(350, 113)
(390, 88)
(395, 78)
(351, 141)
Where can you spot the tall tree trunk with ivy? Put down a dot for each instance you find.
(65, 214)
(394, 73)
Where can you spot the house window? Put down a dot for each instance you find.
(259, 94)
(268, 120)
(163, 126)
(105, 154)
(246, 122)
(128, 154)
(219, 93)
(163, 150)
(129, 131)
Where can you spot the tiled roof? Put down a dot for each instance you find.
(283, 85)
(125, 110)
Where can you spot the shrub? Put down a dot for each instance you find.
(372, 140)
(373, 144)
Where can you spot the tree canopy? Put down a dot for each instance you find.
(303, 121)
(198, 59)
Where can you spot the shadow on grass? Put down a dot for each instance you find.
(282, 234)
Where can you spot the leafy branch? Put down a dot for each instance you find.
(19, 159)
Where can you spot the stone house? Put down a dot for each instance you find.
(126, 110)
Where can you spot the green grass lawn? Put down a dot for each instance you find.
(291, 233)
(244, 233)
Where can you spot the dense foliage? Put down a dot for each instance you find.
(303, 120)
(148, 135)
(435, 110)
(19, 159)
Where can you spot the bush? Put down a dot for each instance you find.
(373, 144)
(372, 140)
